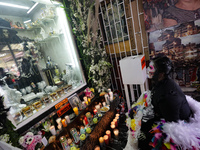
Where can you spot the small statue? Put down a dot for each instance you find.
(49, 63)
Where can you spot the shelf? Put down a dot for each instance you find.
(51, 38)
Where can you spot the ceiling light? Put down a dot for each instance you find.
(27, 21)
(32, 8)
(13, 5)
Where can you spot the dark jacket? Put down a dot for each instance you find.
(169, 101)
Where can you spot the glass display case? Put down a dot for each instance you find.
(39, 61)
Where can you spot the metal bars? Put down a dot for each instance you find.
(117, 27)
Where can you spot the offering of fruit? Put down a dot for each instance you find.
(82, 137)
(88, 130)
(95, 120)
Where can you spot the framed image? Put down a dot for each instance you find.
(74, 100)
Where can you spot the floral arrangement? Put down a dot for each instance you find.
(83, 16)
(135, 114)
(29, 140)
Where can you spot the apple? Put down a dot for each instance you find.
(95, 120)
(88, 130)
(73, 148)
(82, 137)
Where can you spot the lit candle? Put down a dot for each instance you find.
(101, 141)
(97, 148)
(112, 123)
(98, 108)
(58, 120)
(106, 139)
(60, 126)
(95, 111)
(75, 109)
(67, 118)
(115, 120)
(112, 126)
(108, 133)
(116, 133)
(104, 103)
(89, 100)
(100, 104)
(64, 122)
(52, 130)
(117, 115)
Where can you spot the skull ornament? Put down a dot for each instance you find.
(151, 70)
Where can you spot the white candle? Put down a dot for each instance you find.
(67, 118)
(52, 130)
(107, 99)
(97, 108)
(60, 126)
(110, 94)
(116, 132)
(58, 120)
(104, 103)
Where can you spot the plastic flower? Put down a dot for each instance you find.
(133, 125)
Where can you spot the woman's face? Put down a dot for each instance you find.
(151, 70)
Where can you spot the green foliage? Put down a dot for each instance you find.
(7, 133)
(94, 58)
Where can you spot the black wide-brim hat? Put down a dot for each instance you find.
(13, 38)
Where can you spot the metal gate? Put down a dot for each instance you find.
(121, 25)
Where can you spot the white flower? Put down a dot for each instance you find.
(83, 26)
(5, 137)
(21, 140)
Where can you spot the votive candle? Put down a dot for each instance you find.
(67, 118)
(64, 122)
(75, 109)
(95, 111)
(101, 141)
(108, 133)
(97, 148)
(58, 120)
(52, 130)
(112, 126)
(115, 120)
(116, 133)
(106, 139)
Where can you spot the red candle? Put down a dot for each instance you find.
(95, 111)
(106, 139)
(108, 133)
(116, 124)
(85, 120)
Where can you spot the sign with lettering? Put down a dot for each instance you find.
(64, 109)
(61, 103)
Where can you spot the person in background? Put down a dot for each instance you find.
(167, 98)
(182, 11)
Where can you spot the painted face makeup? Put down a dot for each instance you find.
(151, 70)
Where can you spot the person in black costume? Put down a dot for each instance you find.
(167, 98)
